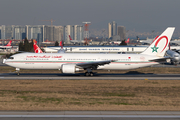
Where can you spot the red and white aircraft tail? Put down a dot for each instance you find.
(127, 41)
(6, 46)
(9, 44)
(60, 44)
(70, 37)
(36, 48)
(61, 50)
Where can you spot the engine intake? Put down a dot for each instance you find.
(69, 68)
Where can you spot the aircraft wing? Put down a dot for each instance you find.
(93, 64)
(161, 59)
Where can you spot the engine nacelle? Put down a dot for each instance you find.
(69, 68)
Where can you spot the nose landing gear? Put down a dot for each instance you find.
(18, 71)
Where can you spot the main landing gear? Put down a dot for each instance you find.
(89, 73)
(18, 71)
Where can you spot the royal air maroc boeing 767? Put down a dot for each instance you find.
(73, 62)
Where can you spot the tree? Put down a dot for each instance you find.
(26, 46)
(123, 42)
(56, 43)
(21, 46)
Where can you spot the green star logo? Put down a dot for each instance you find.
(154, 49)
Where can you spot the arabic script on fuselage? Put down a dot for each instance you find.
(44, 56)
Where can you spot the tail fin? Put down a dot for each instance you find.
(36, 48)
(60, 44)
(9, 44)
(70, 37)
(127, 41)
(154, 39)
(159, 45)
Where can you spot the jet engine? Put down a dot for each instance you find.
(175, 57)
(69, 68)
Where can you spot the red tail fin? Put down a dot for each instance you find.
(127, 41)
(9, 44)
(36, 48)
(60, 44)
(70, 37)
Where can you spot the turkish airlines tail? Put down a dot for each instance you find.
(70, 37)
(60, 44)
(159, 45)
(127, 41)
(9, 44)
(36, 48)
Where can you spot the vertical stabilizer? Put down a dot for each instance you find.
(9, 44)
(70, 37)
(159, 45)
(36, 48)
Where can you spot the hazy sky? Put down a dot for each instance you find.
(139, 15)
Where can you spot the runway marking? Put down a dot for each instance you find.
(89, 116)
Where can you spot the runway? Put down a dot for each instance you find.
(90, 115)
(97, 76)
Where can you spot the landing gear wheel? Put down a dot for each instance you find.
(91, 74)
(18, 74)
(86, 74)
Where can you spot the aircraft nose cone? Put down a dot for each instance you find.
(4, 61)
(177, 59)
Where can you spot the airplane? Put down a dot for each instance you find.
(36, 48)
(72, 62)
(75, 41)
(127, 41)
(7, 46)
(61, 50)
(175, 56)
(149, 41)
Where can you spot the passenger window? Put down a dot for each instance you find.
(11, 58)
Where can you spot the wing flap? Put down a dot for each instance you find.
(161, 60)
(93, 64)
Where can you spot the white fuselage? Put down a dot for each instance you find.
(55, 60)
(5, 47)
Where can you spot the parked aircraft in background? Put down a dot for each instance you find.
(61, 50)
(7, 46)
(127, 41)
(149, 41)
(119, 42)
(73, 62)
(36, 48)
(76, 41)
(175, 57)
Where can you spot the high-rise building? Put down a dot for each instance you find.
(109, 30)
(19, 32)
(78, 32)
(112, 29)
(48, 33)
(68, 30)
(53, 33)
(34, 32)
(7, 32)
(122, 32)
(58, 33)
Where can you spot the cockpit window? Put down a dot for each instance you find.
(11, 58)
